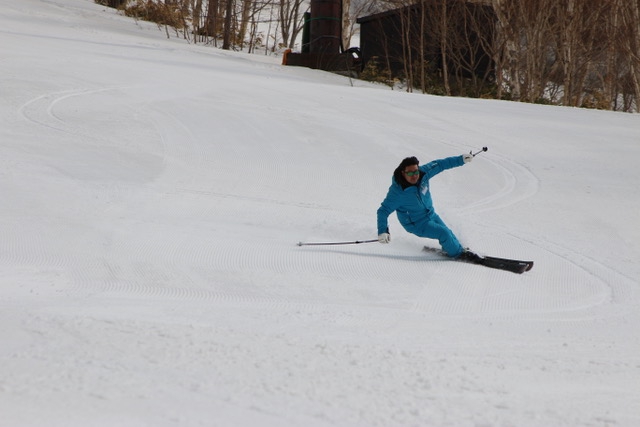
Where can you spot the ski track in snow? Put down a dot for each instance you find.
(610, 287)
(519, 184)
(40, 110)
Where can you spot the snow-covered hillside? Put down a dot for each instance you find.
(153, 193)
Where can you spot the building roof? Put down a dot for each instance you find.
(391, 12)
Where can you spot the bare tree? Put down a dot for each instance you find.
(256, 38)
(346, 25)
(196, 18)
(631, 47)
(212, 20)
(290, 16)
(244, 21)
(444, 46)
(228, 25)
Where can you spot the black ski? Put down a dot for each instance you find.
(512, 265)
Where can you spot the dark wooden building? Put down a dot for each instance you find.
(398, 39)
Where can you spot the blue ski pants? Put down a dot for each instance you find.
(435, 228)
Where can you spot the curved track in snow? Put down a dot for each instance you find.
(587, 287)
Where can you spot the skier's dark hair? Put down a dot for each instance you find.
(407, 161)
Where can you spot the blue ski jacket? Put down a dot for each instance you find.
(412, 203)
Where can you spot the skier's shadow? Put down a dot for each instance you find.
(423, 257)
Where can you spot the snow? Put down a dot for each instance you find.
(153, 193)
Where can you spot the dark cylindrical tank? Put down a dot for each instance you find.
(325, 26)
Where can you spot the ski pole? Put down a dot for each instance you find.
(481, 151)
(355, 242)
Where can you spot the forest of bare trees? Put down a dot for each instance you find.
(570, 52)
(567, 52)
(245, 25)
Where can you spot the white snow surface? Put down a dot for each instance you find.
(153, 195)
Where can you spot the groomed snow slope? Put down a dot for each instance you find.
(153, 193)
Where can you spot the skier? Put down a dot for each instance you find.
(410, 198)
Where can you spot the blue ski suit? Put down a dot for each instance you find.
(414, 207)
